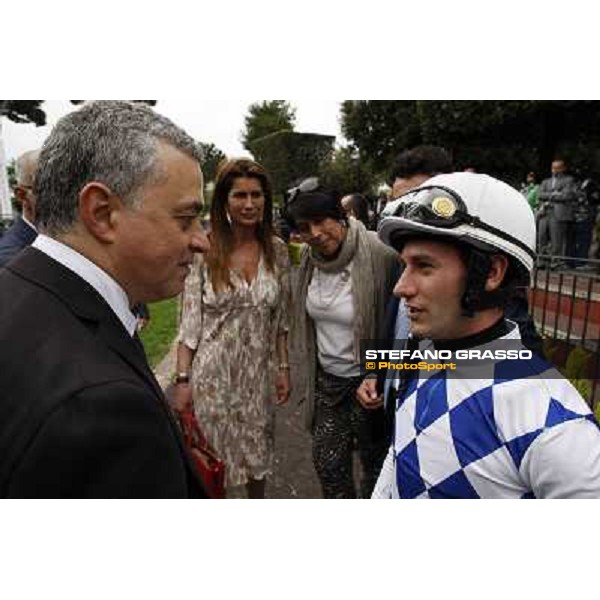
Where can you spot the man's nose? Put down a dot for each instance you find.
(404, 287)
(199, 241)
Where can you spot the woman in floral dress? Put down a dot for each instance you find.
(232, 359)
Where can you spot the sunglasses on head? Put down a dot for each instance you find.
(435, 205)
(311, 184)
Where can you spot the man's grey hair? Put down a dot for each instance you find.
(25, 167)
(108, 141)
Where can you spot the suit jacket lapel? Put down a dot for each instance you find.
(120, 341)
(114, 335)
(87, 304)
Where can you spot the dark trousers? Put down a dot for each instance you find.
(341, 424)
(583, 237)
(562, 237)
(558, 235)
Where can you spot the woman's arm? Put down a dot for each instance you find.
(190, 332)
(182, 396)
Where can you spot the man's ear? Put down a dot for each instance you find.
(23, 197)
(20, 194)
(98, 210)
(497, 272)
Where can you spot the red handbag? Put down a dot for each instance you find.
(209, 466)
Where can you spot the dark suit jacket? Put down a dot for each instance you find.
(15, 238)
(81, 414)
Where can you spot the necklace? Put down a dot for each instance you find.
(325, 300)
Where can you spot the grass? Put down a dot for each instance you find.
(158, 335)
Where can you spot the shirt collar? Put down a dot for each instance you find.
(29, 223)
(498, 330)
(102, 282)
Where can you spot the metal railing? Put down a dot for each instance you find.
(564, 302)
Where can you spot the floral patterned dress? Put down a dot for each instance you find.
(233, 373)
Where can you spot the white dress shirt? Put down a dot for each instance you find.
(102, 282)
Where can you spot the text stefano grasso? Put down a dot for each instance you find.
(471, 354)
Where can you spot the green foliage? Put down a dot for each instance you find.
(23, 111)
(583, 386)
(289, 156)
(578, 362)
(463, 121)
(212, 157)
(577, 370)
(159, 334)
(575, 363)
(503, 138)
(381, 129)
(265, 118)
(11, 172)
(503, 162)
(295, 252)
(344, 171)
(30, 111)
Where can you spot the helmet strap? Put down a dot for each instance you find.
(478, 267)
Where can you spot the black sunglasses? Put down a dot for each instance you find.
(442, 207)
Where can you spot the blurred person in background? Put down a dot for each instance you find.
(530, 190)
(586, 206)
(356, 205)
(558, 196)
(22, 232)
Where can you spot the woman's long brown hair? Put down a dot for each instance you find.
(221, 236)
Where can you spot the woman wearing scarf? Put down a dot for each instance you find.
(345, 277)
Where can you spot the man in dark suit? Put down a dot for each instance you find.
(559, 193)
(22, 232)
(119, 190)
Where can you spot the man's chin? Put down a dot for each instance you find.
(164, 294)
(419, 332)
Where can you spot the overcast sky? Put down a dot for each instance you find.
(216, 121)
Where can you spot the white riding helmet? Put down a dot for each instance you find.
(474, 208)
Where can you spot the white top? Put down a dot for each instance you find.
(330, 305)
(101, 281)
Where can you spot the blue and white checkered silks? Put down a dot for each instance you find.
(516, 433)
